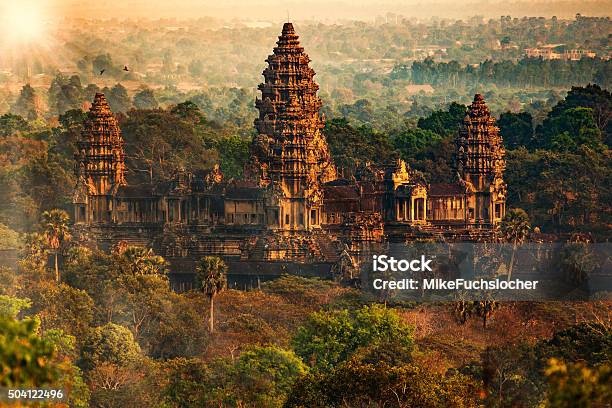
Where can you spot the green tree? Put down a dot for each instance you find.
(566, 130)
(118, 99)
(191, 383)
(70, 95)
(299, 289)
(90, 92)
(514, 229)
(263, 375)
(109, 344)
(9, 239)
(354, 384)
(588, 342)
(62, 307)
(173, 325)
(138, 261)
(68, 135)
(593, 97)
(435, 161)
(34, 256)
(55, 227)
(211, 272)
(11, 306)
(352, 146)
(444, 122)
(329, 338)
(189, 111)
(234, 151)
(515, 375)
(70, 378)
(26, 359)
(414, 141)
(27, 104)
(516, 129)
(160, 144)
(577, 385)
(145, 99)
(11, 124)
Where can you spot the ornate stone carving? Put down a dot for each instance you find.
(290, 148)
(100, 160)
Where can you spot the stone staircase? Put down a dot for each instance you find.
(442, 234)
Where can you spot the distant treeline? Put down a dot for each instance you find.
(527, 72)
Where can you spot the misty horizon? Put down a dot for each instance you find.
(366, 10)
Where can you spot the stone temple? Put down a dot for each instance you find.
(291, 212)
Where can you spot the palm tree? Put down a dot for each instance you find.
(212, 276)
(139, 261)
(462, 310)
(56, 230)
(485, 309)
(515, 228)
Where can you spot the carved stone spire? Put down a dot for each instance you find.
(100, 160)
(480, 162)
(480, 151)
(290, 149)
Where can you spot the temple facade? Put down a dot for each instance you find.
(291, 212)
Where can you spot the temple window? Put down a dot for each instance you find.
(498, 209)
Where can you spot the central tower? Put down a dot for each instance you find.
(480, 163)
(290, 153)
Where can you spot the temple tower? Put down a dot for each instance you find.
(290, 153)
(99, 164)
(480, 163)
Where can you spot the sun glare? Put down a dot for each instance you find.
(22, 22)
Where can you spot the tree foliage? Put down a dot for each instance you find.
(263, 375)
(329, 338)
(110, 343)
(354, 384)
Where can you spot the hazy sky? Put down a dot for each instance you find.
(332, 10)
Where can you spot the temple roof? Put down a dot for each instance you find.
(288, 29)
(101, 122)
(445, 189)
(288, 41)
(136, 191)
(341, 192)
(244, 193)
(478, 108)
(100, 105)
